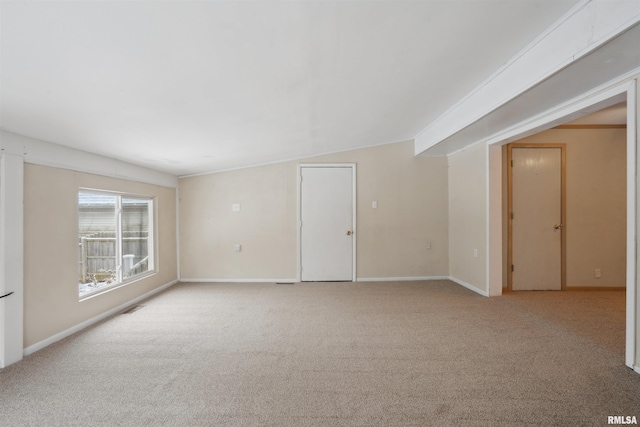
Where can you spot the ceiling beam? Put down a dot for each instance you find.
(583, 29)
(46, 153)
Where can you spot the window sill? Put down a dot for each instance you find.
(104, 290)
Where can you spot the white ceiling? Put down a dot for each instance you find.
(190, 87)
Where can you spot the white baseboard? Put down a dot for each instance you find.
(57, 337)
(360, 279)
(186, 280)
(468, 286)
(636, 368)
(399, 279)
(369, 279)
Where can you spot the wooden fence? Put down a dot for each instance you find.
(97, 255)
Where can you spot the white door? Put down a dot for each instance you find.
(326, 229)
(537, 218)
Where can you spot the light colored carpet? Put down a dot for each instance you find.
(335, 354)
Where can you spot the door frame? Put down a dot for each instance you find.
(301, 166)
(563, 210)
(11, 258)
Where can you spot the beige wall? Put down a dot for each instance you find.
(51, 301)
(392, 240)
(265, 225)
(596, 203)
(468, 216)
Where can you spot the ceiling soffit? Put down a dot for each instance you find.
(593, 52)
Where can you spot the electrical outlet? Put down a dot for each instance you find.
(428, 245)
(597, 273)
(237, 248)
(235, 207)
(475, 253)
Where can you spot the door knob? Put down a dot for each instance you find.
(349, 233)
(557, 226)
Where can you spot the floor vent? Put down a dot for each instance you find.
(285, 283)
(132, 309)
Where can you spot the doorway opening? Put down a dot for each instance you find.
(622, 93)
(581, 243)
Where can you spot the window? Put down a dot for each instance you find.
(115, 240)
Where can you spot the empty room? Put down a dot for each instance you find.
(319, 213)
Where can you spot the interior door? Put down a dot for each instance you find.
(536, 218)
(326, 227)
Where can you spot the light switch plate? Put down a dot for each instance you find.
(235, 207)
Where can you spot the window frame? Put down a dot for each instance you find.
(151, 249)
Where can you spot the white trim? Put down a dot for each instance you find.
(106, 289)
(118, 217)
(596, 99)
(636, 368)
(531, 45)
(353, 211)
(355, 222)
(298, 223)
(469, 286)
(45, 153)
(518, 56)
(466, 147)
(178, 266)
(576, 34)
(425, 278)
(401, 279)
(632, 230)
(68, 332)
(593, 100)
(11, 258)
(154, 252)
(218, 280)
(326, 165)
(360, 279)
(493, 230)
